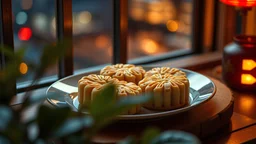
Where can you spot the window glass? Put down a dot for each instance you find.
(155, 27)
(159, 26)
(92, 32)
(33, 28)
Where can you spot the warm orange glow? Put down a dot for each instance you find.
(149, 46)
(172, 25)
(247, 79)
(23, 68)
(246, 103)
(137, 14)
(102, 41)
(154, 17)
(110, 51)
(248, 64)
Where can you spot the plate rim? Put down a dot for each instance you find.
(150, 115)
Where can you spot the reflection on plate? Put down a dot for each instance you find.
(201, 90)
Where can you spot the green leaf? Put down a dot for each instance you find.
(149, 135)
(49, 119)
(73, 125)
(7, 51)
(5, 117)
(76, 140)
(111, 111)
(175, 137)
(20, 52)
(103, 100)
(134, 100)
(124, 104)
(40, 141)
(15, 132)
(128, 140)
(9, 74)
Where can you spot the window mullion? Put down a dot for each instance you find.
(215, 26)
(64, 31)
(6, 28)
(198, 26)
(120, 33)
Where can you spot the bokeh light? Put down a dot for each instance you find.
(154, 17)
(25, 34)
(149, 46)
(40, 21)
(26, 4)
(84, 17)
(172, 25)
(23, 68)
(102, 41)
(21, 18)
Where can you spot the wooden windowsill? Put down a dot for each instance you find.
(193, 62)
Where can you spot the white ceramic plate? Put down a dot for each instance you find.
(201, 90)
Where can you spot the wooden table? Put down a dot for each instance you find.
(243, 122)
(242, 127)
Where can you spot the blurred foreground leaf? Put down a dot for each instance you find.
(4, 140)
(108, 111)
(11, 68)
(105, 107)
(103, 100)
(175, 137)
(9, 73)
(149, 135)
(49, 119)
(73, 125)
(128, 140)
(5, 117)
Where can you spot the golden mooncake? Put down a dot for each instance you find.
(89, 86)
(126, 72)
(169, 91)
(164, 70)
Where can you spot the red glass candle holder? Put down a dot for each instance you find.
(239, 63)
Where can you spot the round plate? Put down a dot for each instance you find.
(201, 90)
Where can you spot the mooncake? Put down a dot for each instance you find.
(169, 91)
(89, 86)
(126, 72)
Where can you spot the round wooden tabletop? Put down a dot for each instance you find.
(201, 121)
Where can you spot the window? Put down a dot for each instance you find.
(157, 30)
(33, 27)
(159, 27)
(92, 32)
